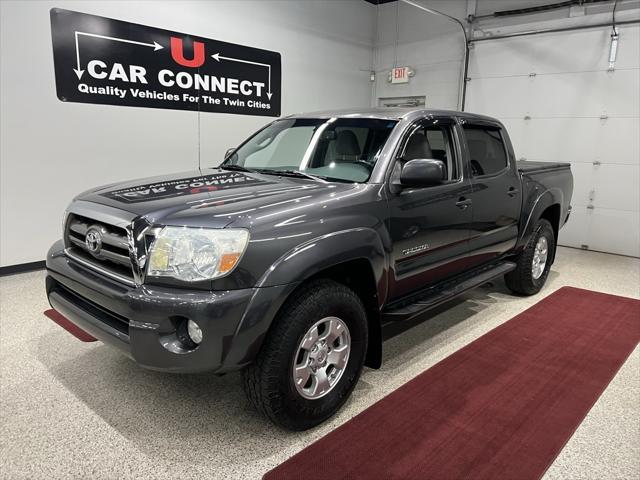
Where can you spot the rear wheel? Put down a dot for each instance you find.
(312, 357)
(534, 262)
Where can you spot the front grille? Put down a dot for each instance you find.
(110, 252)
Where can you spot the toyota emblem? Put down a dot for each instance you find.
(93, 241)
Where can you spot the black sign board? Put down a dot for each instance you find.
(105, 61)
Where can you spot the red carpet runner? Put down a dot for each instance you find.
(68, 325)
(500, 408)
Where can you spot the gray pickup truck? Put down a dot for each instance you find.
(288, 259)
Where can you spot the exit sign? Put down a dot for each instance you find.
(400, 75)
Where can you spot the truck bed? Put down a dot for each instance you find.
(526, 166)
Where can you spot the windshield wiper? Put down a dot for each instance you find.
(291, 173)
(282, 173)
(235, 168)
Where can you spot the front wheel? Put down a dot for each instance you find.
(534, 262)
(312, 357)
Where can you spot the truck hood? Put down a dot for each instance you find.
(210, 198)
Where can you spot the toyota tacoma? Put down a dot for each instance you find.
(288, 259)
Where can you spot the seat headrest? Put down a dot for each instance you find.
(347, 144)
(418, 147)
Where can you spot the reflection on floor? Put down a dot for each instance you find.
(69, 409)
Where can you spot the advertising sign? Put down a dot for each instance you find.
(104, 61)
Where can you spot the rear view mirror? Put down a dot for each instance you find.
(329, 135)
(422, 173)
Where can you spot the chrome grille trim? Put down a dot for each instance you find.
(97, 268)
(107, 237)
(124, 246)
(114, 257)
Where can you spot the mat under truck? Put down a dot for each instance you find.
(288, 259)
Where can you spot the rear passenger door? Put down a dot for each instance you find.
(496, 194)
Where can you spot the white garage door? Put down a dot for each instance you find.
(559, 102)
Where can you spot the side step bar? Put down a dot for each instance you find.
(405, 309)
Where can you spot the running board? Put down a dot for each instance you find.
(416, 304)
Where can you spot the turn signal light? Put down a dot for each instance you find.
(228, 262)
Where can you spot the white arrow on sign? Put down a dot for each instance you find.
(155, 45)
(219, 57)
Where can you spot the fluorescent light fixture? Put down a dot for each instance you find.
(613, 50)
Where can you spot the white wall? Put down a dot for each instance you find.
(51, 150)
(431, 45)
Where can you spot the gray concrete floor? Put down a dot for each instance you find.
(75, 410)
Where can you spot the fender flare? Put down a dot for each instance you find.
(323, 252)
(536, 207)
(320, 253)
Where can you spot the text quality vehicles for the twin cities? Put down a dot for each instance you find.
(101, 60)
(168, 78)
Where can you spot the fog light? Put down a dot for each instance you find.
(195, 334)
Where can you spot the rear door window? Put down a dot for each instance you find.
(487, 152)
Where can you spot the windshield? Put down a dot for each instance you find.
(340, 149)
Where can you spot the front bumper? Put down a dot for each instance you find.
(141, 321)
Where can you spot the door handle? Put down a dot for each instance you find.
(512, 192)
(463, 203)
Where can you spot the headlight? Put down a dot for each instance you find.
(193, 254)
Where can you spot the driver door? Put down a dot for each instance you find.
(429, 226)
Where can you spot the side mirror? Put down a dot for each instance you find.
(229, 153)
(422, 173)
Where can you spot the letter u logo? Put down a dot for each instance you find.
(177, 53)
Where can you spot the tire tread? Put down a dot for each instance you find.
(520, 279)
(260, 383)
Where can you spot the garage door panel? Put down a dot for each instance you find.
(618, 187)
(562, 139)
(628, 47)
(623, 93)
(624, 225)
(499, 58)
(575, 230)
(620, 141)
(589, 94)
(517, 134)
(499, 97)
(548, 53)
(613, 140)
(582, 183)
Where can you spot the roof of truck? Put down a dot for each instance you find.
(388, 113)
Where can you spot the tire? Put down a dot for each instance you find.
(523, 279)
(269, 382)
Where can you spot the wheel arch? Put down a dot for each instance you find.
(355, 258)
(548, 206)
(552, 215)
(358, 275)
